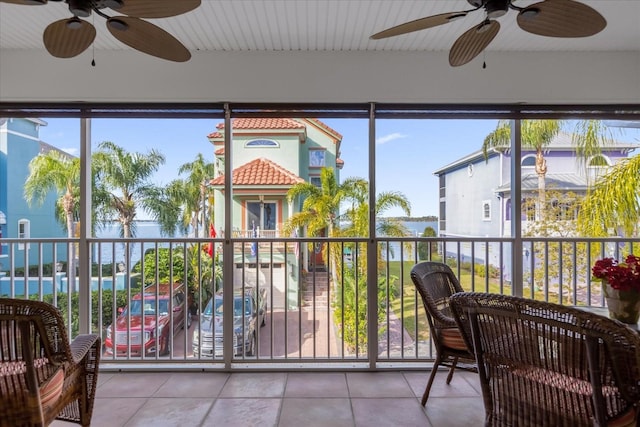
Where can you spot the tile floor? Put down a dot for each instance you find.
(296, 399)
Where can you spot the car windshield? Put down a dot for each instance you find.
(149, 306)
(237, 307)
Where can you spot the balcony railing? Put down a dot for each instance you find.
(296, 302)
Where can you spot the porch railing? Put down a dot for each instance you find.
(297, 302)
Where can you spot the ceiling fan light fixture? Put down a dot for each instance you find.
(530, 13)
(74, 23)
(496, 8)
(483, 26)
(117, 24)
(80, 8)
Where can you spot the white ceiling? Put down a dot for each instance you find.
(327, 25)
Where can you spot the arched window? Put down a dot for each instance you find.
(599, 161)
(528, 161)
(261, 143)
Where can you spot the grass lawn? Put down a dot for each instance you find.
(405, 308)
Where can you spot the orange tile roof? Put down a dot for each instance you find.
(260, 172)
(258, 123)
(327, 128)
(219, 151)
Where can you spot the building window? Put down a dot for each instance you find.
(317, 158)
(315, 180)
(261, 143)
(529, 161)
(24, 232)
(599, 161)
(486, 210)
(529, 209)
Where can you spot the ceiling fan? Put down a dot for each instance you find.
(552, 18)
(70, 37)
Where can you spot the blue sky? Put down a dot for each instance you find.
(408, 151)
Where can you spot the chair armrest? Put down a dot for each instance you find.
(82, 344)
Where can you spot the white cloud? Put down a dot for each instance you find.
(390, 137)
(72, 151)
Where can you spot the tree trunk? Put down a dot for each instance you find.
(541, 170)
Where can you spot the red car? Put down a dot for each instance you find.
(144, 326)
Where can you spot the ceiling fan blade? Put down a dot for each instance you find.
(561, 18)
(67, 38)
(472, 42)
(419, 24)
(157, 8)
(148, 38)
(25, 2)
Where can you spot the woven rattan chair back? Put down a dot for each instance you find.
(544, 364)
(42, 375)
(435, 283)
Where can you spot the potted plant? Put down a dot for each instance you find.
(621, 286)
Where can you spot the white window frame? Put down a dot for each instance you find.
(24, 232)
(486, 210)
(320, 161)
(528, 156)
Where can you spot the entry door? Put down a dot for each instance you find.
(262, 215)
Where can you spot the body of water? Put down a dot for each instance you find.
(151, 230)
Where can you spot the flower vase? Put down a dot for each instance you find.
(623, 305)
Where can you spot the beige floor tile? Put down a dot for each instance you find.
(300, 384)
(316, 412)
(304, 399)
(378, 384)
(132, 384)
(255, 385)
(243, 413)
(193, 384)
(459, 411)
(172, 412)
(460, 385)
(389, 412)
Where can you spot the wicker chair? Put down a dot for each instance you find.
(435, 283)
(544, 364)
(42, 376)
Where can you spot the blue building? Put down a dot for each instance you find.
(19, 143)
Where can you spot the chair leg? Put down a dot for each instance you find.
(425, 396)
(453, 368)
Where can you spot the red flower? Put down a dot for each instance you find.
(624, 276)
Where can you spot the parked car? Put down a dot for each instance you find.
(143, 327)
(249, 310)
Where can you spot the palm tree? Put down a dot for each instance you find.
(320, 205)
(124, 177)
(536, 135)
(195, 192)
(588, 138)
(55, 171)
(612, 205)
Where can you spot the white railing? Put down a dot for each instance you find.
(310, 296)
